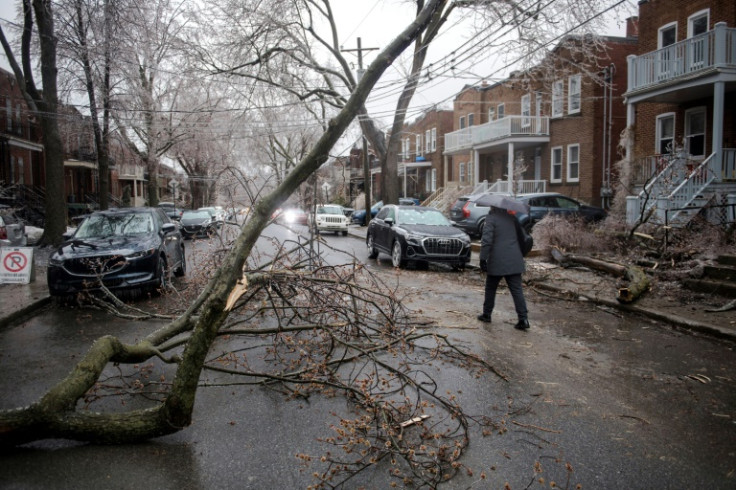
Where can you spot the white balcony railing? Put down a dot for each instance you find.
(507, 127)
(698, 54)
(127, 171)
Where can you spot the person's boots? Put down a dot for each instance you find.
(522, 324)
(485, 318)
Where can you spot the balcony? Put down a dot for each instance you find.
(697, 57)
(518, 128)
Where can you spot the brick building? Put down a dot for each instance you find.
(21, 149)
(554, 127)
(421, 165)
(681, 107)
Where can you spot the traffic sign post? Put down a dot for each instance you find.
(16, 265)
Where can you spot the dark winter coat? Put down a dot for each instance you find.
(499, 246)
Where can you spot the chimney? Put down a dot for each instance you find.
(632, 27)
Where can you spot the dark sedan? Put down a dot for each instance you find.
(358, 216)
(199, 223)
(542, 204)
(123, 249)
(419, 234)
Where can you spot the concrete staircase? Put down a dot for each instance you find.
(717, 279)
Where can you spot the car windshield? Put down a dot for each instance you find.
(106, 225)
(199, 214)
(421, 216)
(329, 210)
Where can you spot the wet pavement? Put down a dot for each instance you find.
(564, 370)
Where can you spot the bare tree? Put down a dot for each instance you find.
(56, 413)
(38, 17)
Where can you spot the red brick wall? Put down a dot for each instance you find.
(653, 14)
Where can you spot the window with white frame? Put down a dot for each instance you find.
(665, 133)
(573, 163)
(666, 62)
(501, 111)
(427, 141)
(492, 114)
(526, 110)
(556, 165)
(404, 149)
(558, 103)
(461, 171)
(427, 180)
(407, 152)
(462, 122)
(434, 139)
(471, 119)
(697, 24)
(433, 185)
(418, 143)
(695, 131)
(573, 94)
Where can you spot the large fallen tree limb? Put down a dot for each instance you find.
(638, 281)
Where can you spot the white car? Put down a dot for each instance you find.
(331, 217)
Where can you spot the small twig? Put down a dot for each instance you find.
(530, 426)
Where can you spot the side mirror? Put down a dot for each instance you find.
(168, 227)
(389, 221)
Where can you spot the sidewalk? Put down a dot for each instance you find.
(21, 300)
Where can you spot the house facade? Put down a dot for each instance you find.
(21, 147)
(552, 128)
(421, 166)
(681, 108)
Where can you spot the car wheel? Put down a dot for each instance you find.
(182, 269)
(163, 280)
(458, 267)
(372, 252)
(344, 233)
(397, 258)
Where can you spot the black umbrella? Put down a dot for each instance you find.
(502, 201)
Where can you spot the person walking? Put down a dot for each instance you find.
(501, 258)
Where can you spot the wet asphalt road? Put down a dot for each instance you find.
(626, 402)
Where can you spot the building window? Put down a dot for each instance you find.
(573, 94)
(427, 141)
(434, 180)
(573, 163)
(418, 143)
(556, 167)
(404, 149)
(526, 110)
(697, 24)
(471, 119)
(427, 180)
(501, 111)
(9, 114)
(667, 36)
(461, 171)
(492, 114)
(434, 139)
(462, 122)
(558, 103)
(665, 133)
(695, 132)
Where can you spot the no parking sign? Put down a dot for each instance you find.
(16, 265)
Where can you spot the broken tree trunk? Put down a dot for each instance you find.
(638, 281)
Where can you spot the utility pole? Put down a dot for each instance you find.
(366, 166)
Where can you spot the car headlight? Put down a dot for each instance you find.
(142, 254)
(414, 239)
(56, 261)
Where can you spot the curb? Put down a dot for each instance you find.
(27, 311)
(705, 328)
